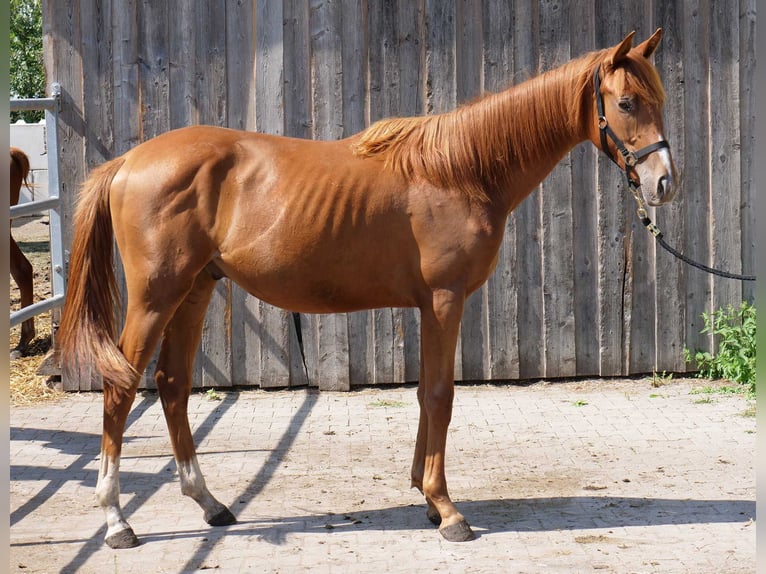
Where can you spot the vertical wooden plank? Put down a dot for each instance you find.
(354, 84)
(747, 122)
(585, 217)
(469, 43)
(441, 79)
(613, 240)
(240, 110)
(640, 284)
(241, 34)
(127, 121)
(440, 56)
(556, 217)
(151, 92)
(502, 286)
(97, 110)
(153, 71)
(209, 23)
(526, 216)
(331, 331)
(469, 47)
(695, 195)
(298, 122)
(269, 340)
(297, 72)
(182, 58)
(670, 307)
(63, 64)
(411, 30)
(725, 160)
(384, 69)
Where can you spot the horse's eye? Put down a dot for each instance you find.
(626, 105)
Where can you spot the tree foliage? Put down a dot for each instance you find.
(27, 74)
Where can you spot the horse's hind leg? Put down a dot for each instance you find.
(139, 338)
(173, 376)
(22, 273)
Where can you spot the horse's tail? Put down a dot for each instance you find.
(20, 170)
(22, 164)
(87, 333)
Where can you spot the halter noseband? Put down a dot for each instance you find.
(630, 158)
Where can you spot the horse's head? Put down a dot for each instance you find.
(628, 127)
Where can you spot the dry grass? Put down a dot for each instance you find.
(26, 386)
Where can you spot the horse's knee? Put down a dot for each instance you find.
(438, 401)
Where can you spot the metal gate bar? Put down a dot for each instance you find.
(52, 204)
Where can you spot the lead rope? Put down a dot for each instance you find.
(654, 230)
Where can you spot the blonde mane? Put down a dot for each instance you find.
(474, 147)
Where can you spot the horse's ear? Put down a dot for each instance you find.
(647, 47)
(621, 50)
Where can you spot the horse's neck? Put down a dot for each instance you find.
(542, 124)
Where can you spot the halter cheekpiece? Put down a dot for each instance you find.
(630, 158)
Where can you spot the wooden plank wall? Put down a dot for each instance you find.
(580, 288)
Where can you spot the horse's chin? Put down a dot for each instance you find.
(656, 199)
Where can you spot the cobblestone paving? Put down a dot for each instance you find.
(590, 476)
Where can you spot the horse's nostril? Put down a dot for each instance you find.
(662, 185)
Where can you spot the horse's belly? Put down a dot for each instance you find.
(321, 287)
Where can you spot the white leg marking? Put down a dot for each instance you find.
(193, 485)
(108, 494)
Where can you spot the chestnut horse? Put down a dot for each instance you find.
(408, 213)
(21, 268)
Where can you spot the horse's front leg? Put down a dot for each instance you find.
(440, 323)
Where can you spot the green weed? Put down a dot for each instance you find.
(734, 331)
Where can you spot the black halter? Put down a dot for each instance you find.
(629, 158)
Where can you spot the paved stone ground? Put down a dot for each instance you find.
(590, 476)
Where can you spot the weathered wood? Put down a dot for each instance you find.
(640, 344)
(271, 343)
(585, 219)
(474, 351)
(670, 278)
(62, 32)
(298, 123)
(330, 332)
(725, 164)
(526, 217)
(747, 123)
(613, 241)
(502, 286)
(696, 171)
(384, 70)
(556, 218)
(410, 30)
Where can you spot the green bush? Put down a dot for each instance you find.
(734, 330)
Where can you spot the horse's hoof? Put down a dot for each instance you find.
(434, 516)
(223, 518)
(123, 539)
(460, 532)
(16, 354)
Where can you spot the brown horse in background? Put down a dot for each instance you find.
(21, 268)
(408, 213)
